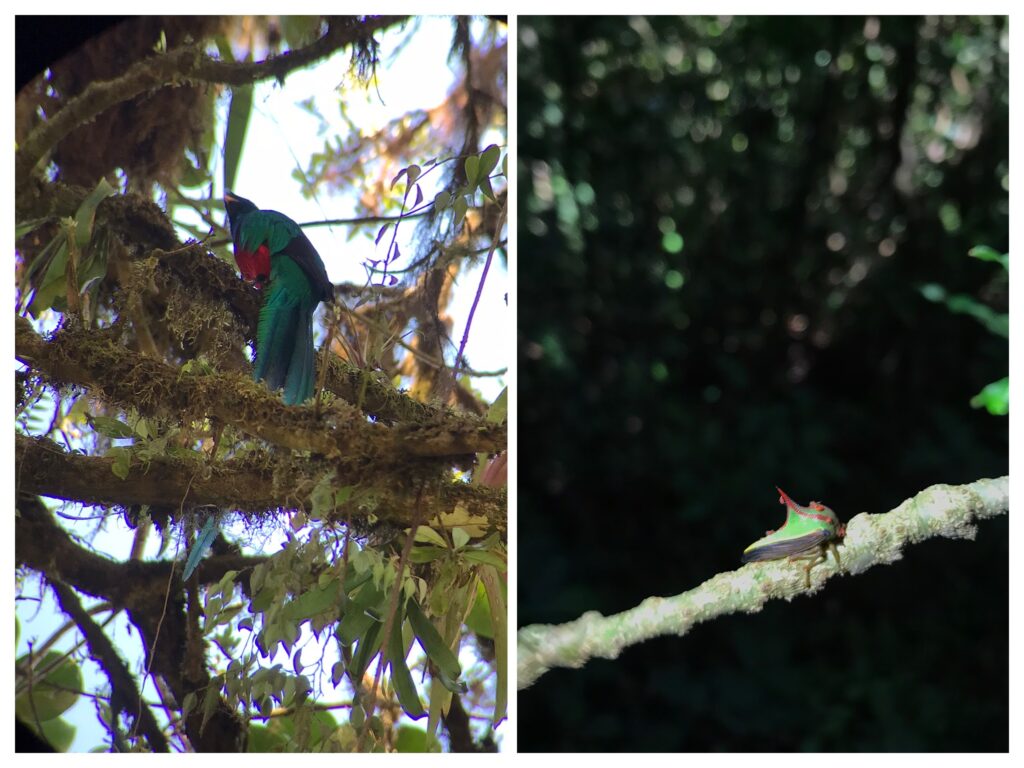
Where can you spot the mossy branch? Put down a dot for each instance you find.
(182, 65)
(74, 355)
(941, 510)
(43, 467)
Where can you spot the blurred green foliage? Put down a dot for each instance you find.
(724, 227)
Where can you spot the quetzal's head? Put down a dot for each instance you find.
(237, 208)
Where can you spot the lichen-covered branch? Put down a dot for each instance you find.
(941, 510)
(261, 484)
(182, 65)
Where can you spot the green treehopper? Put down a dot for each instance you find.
(806, 535)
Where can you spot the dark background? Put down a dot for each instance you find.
(724, 228)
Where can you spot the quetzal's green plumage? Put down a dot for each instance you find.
(272, 251)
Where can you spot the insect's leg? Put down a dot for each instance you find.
(835, 553)
(817, 557)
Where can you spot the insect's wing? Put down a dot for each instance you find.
(773, 548)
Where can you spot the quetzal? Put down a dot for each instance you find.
(272, 252)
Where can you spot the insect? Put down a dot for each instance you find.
(806, 535)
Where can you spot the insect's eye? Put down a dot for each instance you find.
(817, 506)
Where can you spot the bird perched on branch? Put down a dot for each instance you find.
(273, 253)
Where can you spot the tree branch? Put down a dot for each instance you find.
(941, 510)
(186, 64)
(141, 589)
(75, 355)
(124, 697)
(43, 467)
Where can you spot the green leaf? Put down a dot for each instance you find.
(299, 30)
(485, 558)
(26, 227)
(112, 428)
(485, 187)
(262, 600)
(488, 160)
(312, 602)
(986, 253)
(401, 677)
(459, 537)
(479, 618)
(428, 535)
(997, 323)
(412, 739)
(459, 209)
(86, 213)
(263, 738)
(337, 672)
(122, 462)
(237, 125)
(53, 693)
(933, 292)
(57, 732)
(472, 166)
(322, 496)
(493, 584)
(436, 648)
(357, 716)
(995, 398)
(498, 411)
(368, 647)
(442, 200)
(420, 555)
(53, 259)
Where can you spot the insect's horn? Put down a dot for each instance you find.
(784, 498)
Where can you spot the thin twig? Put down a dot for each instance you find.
(479, 291)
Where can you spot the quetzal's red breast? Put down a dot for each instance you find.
(254, 266)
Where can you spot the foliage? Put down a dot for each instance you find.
(995, 397)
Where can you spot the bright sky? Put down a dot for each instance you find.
(281, 137)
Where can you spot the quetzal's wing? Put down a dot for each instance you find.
(283, 235)
(302, 252)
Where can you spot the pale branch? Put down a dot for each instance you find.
(42, 467)
(180, 66)
(941, 510)
(74, 355)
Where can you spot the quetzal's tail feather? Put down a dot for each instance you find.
(203, 542)
(284, 344)
(275, 336)
(298, 384)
